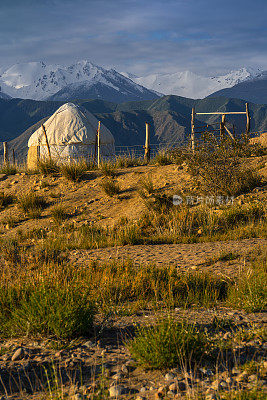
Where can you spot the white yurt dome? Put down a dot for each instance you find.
(71, 134)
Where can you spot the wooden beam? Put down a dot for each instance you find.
(193, 130)
(220, 113)
(147, 144)
(229, 132)
(98, 144)
(5, 146)
(46, 140)
(248, 120)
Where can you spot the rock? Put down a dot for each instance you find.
(252, 378)
(236, 371)
(169, 376)
(18, 355)
(115, 391)
(124, 369)
(143, 389)
(242, 377)
(117, 376)
(3, 177)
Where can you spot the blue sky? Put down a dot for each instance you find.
(204, 36)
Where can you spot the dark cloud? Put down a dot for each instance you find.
(204, 36)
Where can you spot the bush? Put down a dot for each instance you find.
(110, 187)
(47, 166)
(63, 311)
(221, 170)
(32, 204)
(168, 344)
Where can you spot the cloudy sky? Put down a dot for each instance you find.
(140, 36)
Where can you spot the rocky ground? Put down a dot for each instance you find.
(102, 367)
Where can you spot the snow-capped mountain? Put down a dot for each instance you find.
(39, 81)
(188, 84)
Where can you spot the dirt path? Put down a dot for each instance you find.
(184, 256)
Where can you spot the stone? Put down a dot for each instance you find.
(242, 377)
(117, 376)
(169, 376)
(115, 391)
(143, 389)
(124, 369)
(252, 378)
(18, 355)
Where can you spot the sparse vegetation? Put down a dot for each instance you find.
(128, 161)
(75, 170)
(9, 169)
(59, 213)
(163, 157)
(47, 166)
(31, 204)
(5, 200)
(110, 187)
(108, 169)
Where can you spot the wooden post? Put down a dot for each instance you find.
(222, 127)
(248, 120)
(46, 140)
(98, 144)
(147, 144)
(5, 146)
(193, 130)
(13, 154)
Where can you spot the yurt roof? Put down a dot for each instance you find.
(70, 124)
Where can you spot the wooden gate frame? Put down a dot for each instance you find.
(223, 127)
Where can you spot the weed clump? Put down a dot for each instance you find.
(8, 169)
(46, 309)
(48, 166)
(59, 213)
(5, 199)
(32, 204)
(110, 187)
(108, 169)
(168, 344)
(74, 171)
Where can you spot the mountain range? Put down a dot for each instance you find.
(168, 116)
(85, 80)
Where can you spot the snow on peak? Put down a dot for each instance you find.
(189, 84)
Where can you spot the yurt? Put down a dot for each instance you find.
(69, 134)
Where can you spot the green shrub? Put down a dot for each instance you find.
(168, 344)
(220, 168)
(32, 204)
(62, 311)
(110, 187)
